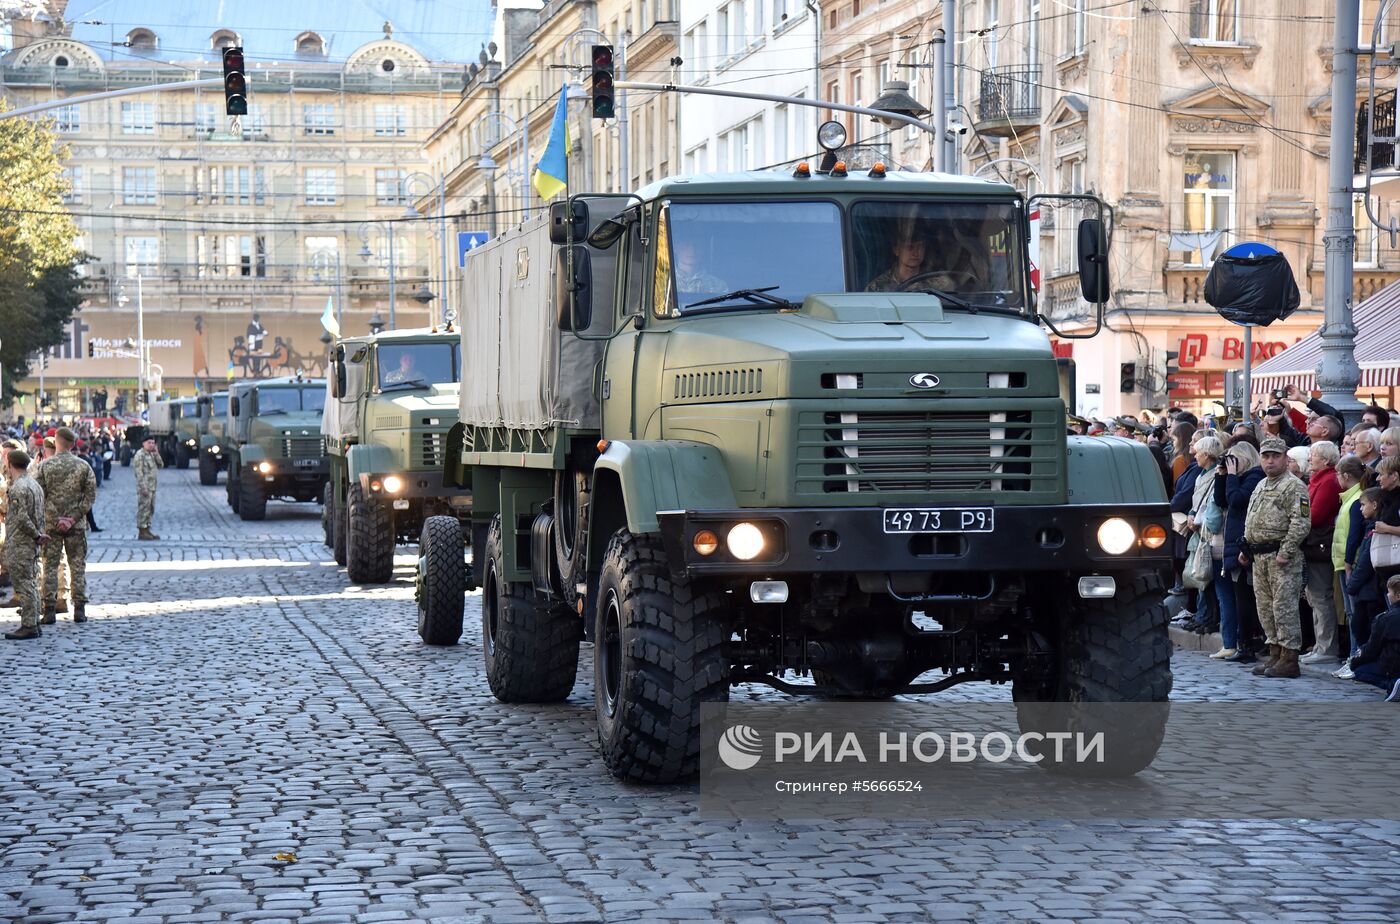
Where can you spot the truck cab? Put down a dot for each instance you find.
(271, 443)
(213, 421)
(393, 399)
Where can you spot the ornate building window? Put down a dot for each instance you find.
(1208, 217)
(1216, 21)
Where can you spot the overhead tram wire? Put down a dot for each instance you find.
(259, 223)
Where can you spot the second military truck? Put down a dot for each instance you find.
(175, 423)
(271, 443)
(393, 399)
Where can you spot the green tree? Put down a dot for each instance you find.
(39, 284)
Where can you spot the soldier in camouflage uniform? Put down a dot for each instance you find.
(1275, 525)
(50, 448)
(144, 464)
(24, 529)
(70, 489)
(5, 448)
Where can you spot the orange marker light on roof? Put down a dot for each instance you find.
(802, 171)
(839, 169)
(878, 170)
(603, 445)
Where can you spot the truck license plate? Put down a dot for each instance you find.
(939, 520)
(306, 463)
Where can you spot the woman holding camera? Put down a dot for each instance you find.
(1239, 624)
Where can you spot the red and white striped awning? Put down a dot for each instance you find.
(1377, 321)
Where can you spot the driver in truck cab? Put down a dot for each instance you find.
(406, 372)
(910, 248)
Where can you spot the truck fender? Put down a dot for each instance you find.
(206, 441)
(365, 459)
(652, 475)
(1108, 470)
(249, 453)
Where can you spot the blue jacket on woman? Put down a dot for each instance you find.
(1232, 495)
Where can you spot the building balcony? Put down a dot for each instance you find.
(1364, 283)
(1009, 100)
(1060, 298)
(1186, 285)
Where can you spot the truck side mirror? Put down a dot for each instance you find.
(338, 373)
(573, 291)
(1093, 261)
(234, 406)
(560, 216)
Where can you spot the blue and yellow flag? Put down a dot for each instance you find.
(328, 319)
(552, 172)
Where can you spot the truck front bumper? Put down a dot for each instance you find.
(301, 469)
(414, 485)
(853, 539)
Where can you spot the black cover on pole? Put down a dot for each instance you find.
(1252, 290)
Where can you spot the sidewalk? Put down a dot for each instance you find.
(1210, 642)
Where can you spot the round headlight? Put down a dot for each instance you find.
(705, 542)
(214, 450)
(745, 541)
(831, 135)
(1154, 535)
(264, 467)
(393, 484)
(1117, 536)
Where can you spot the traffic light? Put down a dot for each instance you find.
(90, 351)
(1127, 378)
(603, 82)
(235, 83)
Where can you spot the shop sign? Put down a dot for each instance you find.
(1195, 384)
(1195, 347)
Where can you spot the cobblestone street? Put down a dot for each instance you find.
(239, 734)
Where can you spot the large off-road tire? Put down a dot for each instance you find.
(231, 488)
(442, 581)
(182, 455)
(572, 500)
(659, 655)
(340, 534)
(252, 497)
(1112, 674)
(208, 468)
(530, 643)
(370, 551)
(327, 522)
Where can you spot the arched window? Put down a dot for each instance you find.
(141, 40)
(310, 43)
(60, 61)
(224, 38)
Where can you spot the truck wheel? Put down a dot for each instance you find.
(571, 505)
(327, 523)
(442, 581)
(1110, 653)
(231, 489)
(531, 645)
(208, 468)
(252, 498)
(182, 456)
(659, 654)
(371, 540)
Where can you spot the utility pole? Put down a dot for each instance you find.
(1338, 375)
(940, 102)
(950, 85)
(623, 159)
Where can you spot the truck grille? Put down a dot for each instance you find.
(429, 451)
(925, 452)
(301, 447)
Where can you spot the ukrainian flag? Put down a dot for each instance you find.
(552, 172)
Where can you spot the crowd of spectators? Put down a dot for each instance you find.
(97, 445)
(1348, 564)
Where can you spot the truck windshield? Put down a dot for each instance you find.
(220, 406)
(288, 400)
(417, 364)
(787, 249)
(971, 249)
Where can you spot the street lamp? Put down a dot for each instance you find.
(386, 228)
(489, 134)
(411, 212)
(895, 98)
(376, 323)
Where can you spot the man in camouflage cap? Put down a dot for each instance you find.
(24, 531)
(1275, 525)
(145, 464)
(70, 489)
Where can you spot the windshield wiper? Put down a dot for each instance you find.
(757, 296)
(406, 383)
(957, 301)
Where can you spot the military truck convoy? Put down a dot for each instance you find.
(392, 399)
(801, 430)
(175, 423)
(270, 443)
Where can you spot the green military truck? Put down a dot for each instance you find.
(271, 443)
(213, 423)
(797, 429)
(174, 422)
(393, 398)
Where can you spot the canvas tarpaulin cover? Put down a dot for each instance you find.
(339, 419)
